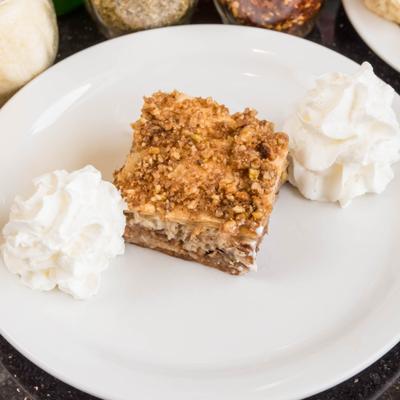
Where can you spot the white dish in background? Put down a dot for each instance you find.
(381, 35)
(324, 304)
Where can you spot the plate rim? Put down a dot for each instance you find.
(303, 395)
(350, 8)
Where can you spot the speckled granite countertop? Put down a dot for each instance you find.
(21, 380)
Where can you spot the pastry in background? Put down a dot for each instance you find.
(389, 9)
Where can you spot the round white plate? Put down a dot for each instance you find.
(382, 36)
(324, 304)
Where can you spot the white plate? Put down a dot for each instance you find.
(324, 304)
(382, 36)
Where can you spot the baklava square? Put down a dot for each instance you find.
(199, 182)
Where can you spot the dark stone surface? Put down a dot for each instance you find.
(21, 380)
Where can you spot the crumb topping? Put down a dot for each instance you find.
(191, 154)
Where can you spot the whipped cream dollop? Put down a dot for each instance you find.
(66, 233)
(344, 137)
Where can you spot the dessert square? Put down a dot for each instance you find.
(199, 182)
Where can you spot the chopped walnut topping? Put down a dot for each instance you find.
(192, 155)
(257, 215)
(253, 174)
(238, 209)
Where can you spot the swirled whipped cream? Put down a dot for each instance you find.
(66, 233)
(344, 137)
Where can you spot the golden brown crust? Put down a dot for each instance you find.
(190, 157)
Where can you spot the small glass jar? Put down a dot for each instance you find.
(117, 17)
(296, 17)
(28, 42)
